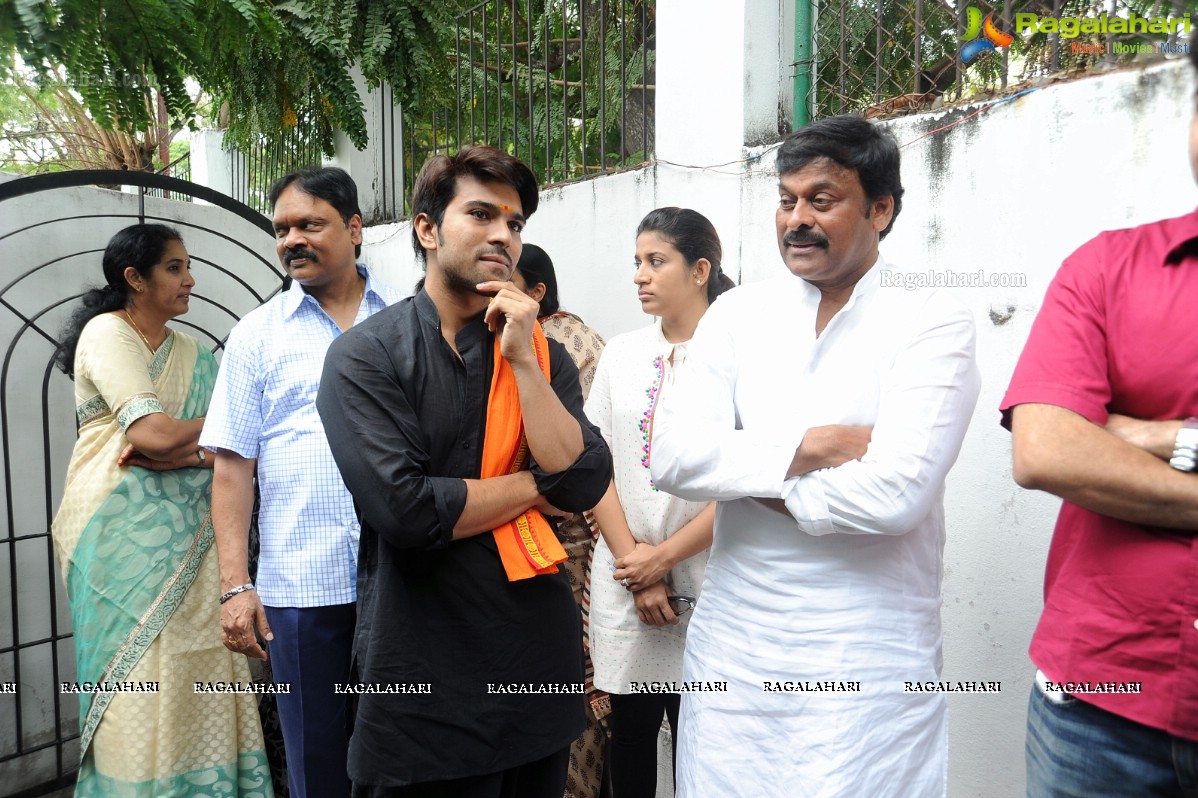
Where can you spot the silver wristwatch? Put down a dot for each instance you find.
(1185, 448)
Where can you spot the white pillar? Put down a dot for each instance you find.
(378, 169)
(700, 79)
(725, 68)
(211, 164)
(769, 53)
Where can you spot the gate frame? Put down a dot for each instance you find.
(34, 184)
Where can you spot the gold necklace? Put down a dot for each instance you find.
(129, 316)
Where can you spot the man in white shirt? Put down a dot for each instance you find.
(262, 422)
(823, 413)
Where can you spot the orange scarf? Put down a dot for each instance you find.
(527, 544)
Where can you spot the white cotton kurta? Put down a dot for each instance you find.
(634, 376)
(848, 589)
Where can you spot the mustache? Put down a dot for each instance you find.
(804, 237)
(292, 254)
(501, 252)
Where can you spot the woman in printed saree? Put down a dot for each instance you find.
(535, 276)
(133, 535)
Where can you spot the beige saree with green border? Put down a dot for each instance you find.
(136, 550)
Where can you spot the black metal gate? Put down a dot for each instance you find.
(52, 231)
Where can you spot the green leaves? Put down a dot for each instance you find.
(273, 65)
(109, 72)
(566, 85)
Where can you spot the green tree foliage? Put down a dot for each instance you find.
(565, 86)
(45, 128)
(26, 145)
(270, 65)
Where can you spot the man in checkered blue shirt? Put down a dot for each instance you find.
(263, 420)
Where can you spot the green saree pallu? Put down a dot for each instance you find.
(161, 713)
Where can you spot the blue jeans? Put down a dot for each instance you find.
(1076, 750)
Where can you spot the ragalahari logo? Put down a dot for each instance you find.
(981, 37)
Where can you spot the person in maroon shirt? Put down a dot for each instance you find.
(1102, 410)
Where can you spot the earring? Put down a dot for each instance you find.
(138, 288)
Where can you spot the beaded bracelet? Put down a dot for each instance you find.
(235, 591)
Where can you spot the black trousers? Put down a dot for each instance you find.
(544, 778)
(635, 721)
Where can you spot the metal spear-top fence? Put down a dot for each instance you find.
(255, 170)
(564, 85)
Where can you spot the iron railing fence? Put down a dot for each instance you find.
(180, 169)
(892, 55)
(256, 170)
(564, 85)
(569, 87)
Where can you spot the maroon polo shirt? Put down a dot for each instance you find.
(1118, 333)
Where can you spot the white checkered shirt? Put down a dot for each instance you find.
(264, 406)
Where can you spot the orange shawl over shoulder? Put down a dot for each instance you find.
(527, 545)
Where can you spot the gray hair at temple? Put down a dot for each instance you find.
(868, 149)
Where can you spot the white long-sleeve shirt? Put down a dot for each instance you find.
(848, 587)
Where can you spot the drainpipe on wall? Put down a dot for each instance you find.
(802, 63)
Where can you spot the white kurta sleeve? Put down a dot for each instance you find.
(924, 409)
(698, 451)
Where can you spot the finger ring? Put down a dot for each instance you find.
(624, 581)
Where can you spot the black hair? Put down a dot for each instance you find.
(869, 150)
(536, 266)
(437, 182)
(331, 184)
(694, 236)
(140, 246)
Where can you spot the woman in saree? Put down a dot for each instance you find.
(534, 275)
(133, 536)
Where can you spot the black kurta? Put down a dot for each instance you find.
(405, 419)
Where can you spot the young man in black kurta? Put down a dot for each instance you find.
(471, 678)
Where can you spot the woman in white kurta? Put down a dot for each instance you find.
(134, 540)
(653, 545)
